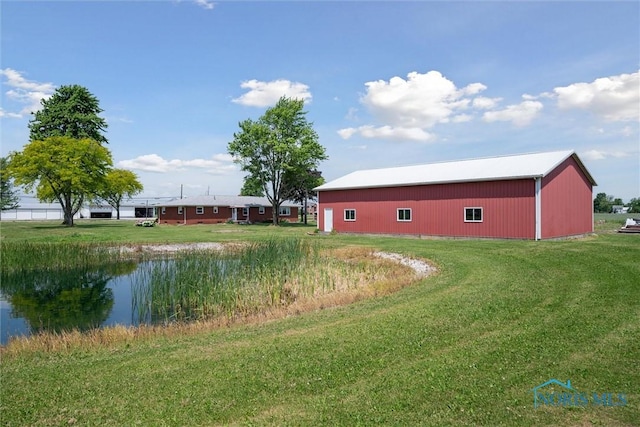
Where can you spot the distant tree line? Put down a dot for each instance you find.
(604, 203)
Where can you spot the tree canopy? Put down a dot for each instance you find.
(299, 187)
(281, 142)
(602, 203)
(8, 197)
(62, 168)
(252, 187)
(120, 183)
(71, 111)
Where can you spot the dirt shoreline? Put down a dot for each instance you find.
(421, 268)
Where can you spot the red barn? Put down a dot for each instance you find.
(528, 196)
(219, 209)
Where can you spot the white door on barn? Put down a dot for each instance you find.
(328, 220)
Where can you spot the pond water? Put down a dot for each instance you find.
(75, 299)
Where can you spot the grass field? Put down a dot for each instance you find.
(463, 347)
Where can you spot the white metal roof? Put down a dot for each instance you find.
(486, 169)
(232, 201)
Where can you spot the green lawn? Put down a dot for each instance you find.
(464, 347)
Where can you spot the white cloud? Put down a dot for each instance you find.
(407, 108)
(265, 94)
(484, 103)
(219, 164)
(422, 100)
(474, 88)
(388, 132)
(347, 133)
(519, 114)
(602, 154)
(9, 114)
(615, 98)
(462, 118)
(24, 92)
(205, 4)
(593, 155)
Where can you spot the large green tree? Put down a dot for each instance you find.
(602, 203)
(62, 168)
(634, 205)
(8, 197)
(299, 187)
(119, 183)
(71, 111)
(281, 142)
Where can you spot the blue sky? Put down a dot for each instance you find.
(384, 83)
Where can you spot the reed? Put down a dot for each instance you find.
(262, 276)
(43, 256)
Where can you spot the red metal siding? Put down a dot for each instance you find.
(437, 210)
(566, 202)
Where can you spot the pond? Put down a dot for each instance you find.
(40, 291)
(72, 299)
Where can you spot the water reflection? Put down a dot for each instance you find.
(56, 301)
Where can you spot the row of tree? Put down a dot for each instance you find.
(604, 203)
(66, 159)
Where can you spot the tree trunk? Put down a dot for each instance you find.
(68, 217)
(305, 209)
(67, 208)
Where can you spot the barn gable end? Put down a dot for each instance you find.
(567, 201)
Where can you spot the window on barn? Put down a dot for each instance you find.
(164, 210)
(245, 212)
(349, 214)
(179, 210)
(284, 211)
(404, 214)
(199, 210)
(472, 214)
(261, 210)
(215, 209)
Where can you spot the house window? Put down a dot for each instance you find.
(349, 214)
(215, 209)
(472, 214)
(164, 210)
(404, 214)
(261, 210)
(245, 212)
(179, 210)
(284, 211)
(199, 210)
